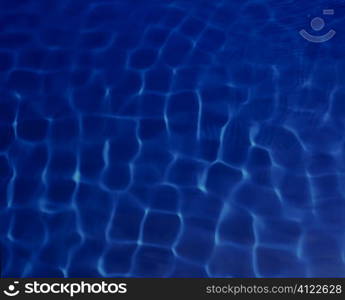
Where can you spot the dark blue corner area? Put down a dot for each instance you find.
(171, 138)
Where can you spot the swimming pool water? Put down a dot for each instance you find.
(171, 139)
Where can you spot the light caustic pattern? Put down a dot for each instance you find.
(171, 138)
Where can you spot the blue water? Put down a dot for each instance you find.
(171, 139)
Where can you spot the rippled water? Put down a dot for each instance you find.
(171, 139)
